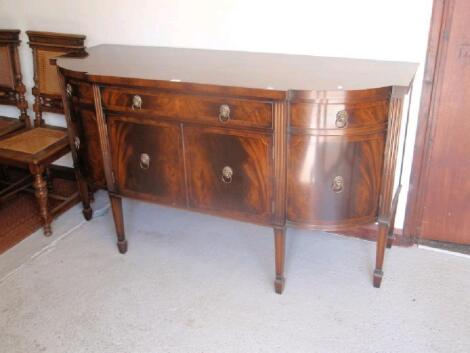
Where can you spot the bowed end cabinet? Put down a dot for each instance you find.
(277, 140)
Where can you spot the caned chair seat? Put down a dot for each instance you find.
(8, 125)
(37, 145)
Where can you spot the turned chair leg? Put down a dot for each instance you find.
(381, 244)
(4, 174)
(116, 207)
(280, 251)
(40, 187)
(49, 181)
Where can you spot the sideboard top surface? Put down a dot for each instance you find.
(280, 72)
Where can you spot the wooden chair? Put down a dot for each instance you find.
(12, 92)
(36, 148)
(12, 89)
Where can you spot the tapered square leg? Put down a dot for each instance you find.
(116, 207)
(391, 230)
(280, 250)
(84, 195)
(390, 239)
(379, 260)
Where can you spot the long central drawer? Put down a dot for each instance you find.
(220, 111)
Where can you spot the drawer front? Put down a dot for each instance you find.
(334, 181)
(339, 116)
(230, 172)
(200, 109)
(147, 159)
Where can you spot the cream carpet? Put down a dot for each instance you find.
(192, 283)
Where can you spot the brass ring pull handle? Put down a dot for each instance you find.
(144, 161)
(136, 102)
(227, 174)
(342, 119)
(338, 184)
(68, 89)
(224, 113)
(76, 141)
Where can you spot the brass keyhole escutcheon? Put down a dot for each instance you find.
(338, 184)
(136, 102)
(224, 113)
(342, 119)
(227, 174)
(144, 161)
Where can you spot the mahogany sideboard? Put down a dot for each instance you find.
(272, 139)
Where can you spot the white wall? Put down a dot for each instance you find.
(372, 29)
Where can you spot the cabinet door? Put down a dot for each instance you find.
(147, 159)
(334, 181)
(89, 150)
(230, 172)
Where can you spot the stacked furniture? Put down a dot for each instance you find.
(37, 148)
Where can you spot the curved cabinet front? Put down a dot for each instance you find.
(335, 159)
(263, 138)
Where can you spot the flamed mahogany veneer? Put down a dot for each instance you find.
(271, 139)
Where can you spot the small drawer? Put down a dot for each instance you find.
(80, 92)
(338, 116)
(193, 108)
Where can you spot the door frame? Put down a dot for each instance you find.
(441, 21)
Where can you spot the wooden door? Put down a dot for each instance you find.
(439, 201)
(148, 159)
(334, 181)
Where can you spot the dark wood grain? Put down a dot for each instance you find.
(191, 108)
(162, 178)
(264, 71)
(248, 193)
(315, 161)
(297, 148)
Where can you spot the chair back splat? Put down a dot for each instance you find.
(12, 89)
(46, 46)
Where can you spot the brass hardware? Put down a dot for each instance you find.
(341, 119)
(224, 113)
(136, 102)
(144, 161)
(68, 89)
(76, 141)
(227, 174)
(338, 184)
